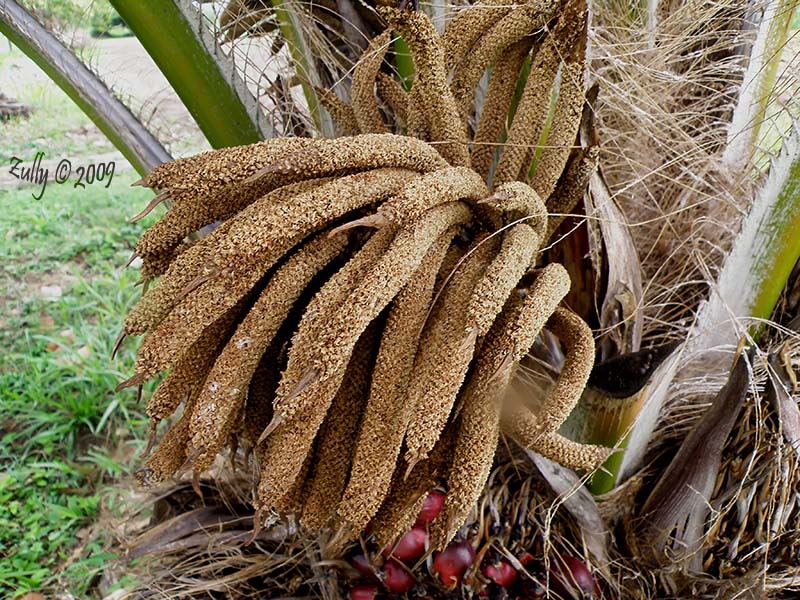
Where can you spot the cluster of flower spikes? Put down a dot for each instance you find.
(359, 312)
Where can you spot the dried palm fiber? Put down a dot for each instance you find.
(311, 396)
(336, 440)
(534, 104)
(571, 187)
(213, 189)
(362, 90)
(235, 21)
(340, 111)
(520, 22)
(233, 10)
(466, 28)
(393, 95)
(445, 351)
(494, 115)
(386, 413)
(430, 92)
(404, 501)
(563, 128)
(271, 232)
(191, 267)
(222, 395)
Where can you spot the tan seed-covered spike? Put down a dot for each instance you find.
(510, 29)
(332, 296)
(445, 353)
(578, 362)
(362, 90)
(193, 265)
(170, 454)
(333, 344)
(295, 498)
(478, 425)
(341, 112)
(541, 300)
(336, 438)
(564, 128)
(260, 235)
(383, 426)
(404, 501)
(466, 28)
(172, 173)
(534, 104)
(521, 424)
(517, 201)
(357, 153)
(261, 392)
(157, 264)
(216, 189)
(446, 127)
(425, 192)
(516, 256)
(191, 368)
(222, 397)
(571, 187)
(291, 441)
(393, 95)
(494, 115)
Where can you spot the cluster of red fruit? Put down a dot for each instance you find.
(569, 577)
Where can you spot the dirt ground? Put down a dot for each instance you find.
(130, 72)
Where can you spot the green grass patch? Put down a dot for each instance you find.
(65, 434)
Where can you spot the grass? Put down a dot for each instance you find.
(65, 435)
(55, 126)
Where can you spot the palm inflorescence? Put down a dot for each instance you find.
(360, 309)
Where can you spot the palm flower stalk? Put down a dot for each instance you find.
(341, 239)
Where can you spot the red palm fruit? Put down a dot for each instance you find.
(363, 592)
(361, 564)
(500, 571)
(571, 579)
(396, 578)
(525, 558)
(409, 547)
(451, 564)
(430, 508)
